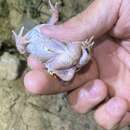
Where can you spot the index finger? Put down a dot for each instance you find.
(40, 82)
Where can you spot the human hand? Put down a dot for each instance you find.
(107, 76)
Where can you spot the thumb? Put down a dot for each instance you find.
(92, 21)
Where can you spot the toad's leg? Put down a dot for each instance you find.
(88, 43)
(65, 75)
(21, 41)
(84, 59)
(86, 47)
(55, 13)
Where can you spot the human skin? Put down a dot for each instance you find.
(107, 76)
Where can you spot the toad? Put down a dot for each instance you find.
(62, 59)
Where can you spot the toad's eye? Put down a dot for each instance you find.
(88, 51)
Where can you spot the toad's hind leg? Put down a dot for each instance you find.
(21, 41)
(55, 13)
(65, 75)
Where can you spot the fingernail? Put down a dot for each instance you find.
(115, 107)
(88, 97)
(95, 90)
(83, 93)
(90, 92)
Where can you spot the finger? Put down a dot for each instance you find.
(36, 81)
(111, 113)
(90, 22)
(126, 120)
(40, 82)
(121, 29)
(124, 56)
(87, 96)
(34, 63)
(126, 45)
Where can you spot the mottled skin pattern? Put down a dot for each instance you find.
(61, 59)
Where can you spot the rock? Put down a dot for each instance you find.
(15, 22)
(9, 66)
(4, 8)
(15, 12)
(5, 32)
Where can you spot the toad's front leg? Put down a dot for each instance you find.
(21, 41)
(55, 13)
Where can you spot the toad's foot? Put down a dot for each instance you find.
(21, 41)
(55, 12)
(89, 43)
